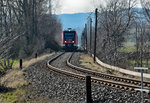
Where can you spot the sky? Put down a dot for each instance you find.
(77, 6)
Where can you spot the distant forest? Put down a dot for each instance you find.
(27, 27)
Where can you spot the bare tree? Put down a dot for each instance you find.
(146, 7)
(115, 19)
(142, 43)
(20, 27)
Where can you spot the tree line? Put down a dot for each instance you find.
(117, 21)
(27, 27)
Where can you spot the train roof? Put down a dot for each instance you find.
(70, 29)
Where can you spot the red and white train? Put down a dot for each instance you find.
(69, 39)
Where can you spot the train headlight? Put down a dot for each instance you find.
(65, 41)
(73, 41)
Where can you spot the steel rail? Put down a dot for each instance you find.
(108, 76)
(93, 79)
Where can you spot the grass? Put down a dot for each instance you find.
(27, 63)
(129, 44)
(16, 62)
(10, 60)
(133, 62)
(19, 96)
(14, 79)
(127, 49)
(13, 97)
(87, 61)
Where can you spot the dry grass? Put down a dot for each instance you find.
(13, 79)
(87, 61)
(27, 63)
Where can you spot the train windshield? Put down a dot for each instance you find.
(69, 35)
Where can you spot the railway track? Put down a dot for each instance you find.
(97, 77)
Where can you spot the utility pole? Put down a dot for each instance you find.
(141, 57)
(90, 34)
(95, 34)
(85, 37)
(49, 7)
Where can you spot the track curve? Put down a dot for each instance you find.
(123, 84)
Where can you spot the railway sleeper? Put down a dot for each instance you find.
(146, 84)
(104, 83)
(117, 86)
(128, 81)
(124, 80)
(109, 77)
(118, 79)
(100, 82)
(131, 89)
(108, 84)
(140, 84)
(121, 80)
(114, 78)
(94, 81)
(123, 87)
(113, 85)
(127, 88)
(136, 83)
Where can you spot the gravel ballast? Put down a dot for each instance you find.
(52, 85)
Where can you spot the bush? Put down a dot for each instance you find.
(5, 64)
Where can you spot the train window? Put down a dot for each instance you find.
(69, 35)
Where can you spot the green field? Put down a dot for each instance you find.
(129, 44)
(127, 47)
(134, 64)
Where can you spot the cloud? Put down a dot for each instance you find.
(76, 6)
(72, 6)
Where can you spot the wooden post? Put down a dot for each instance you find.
(35, 55)
(88, 90)
(20, 63)
(95, 34)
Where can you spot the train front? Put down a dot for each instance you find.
(69, 39)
